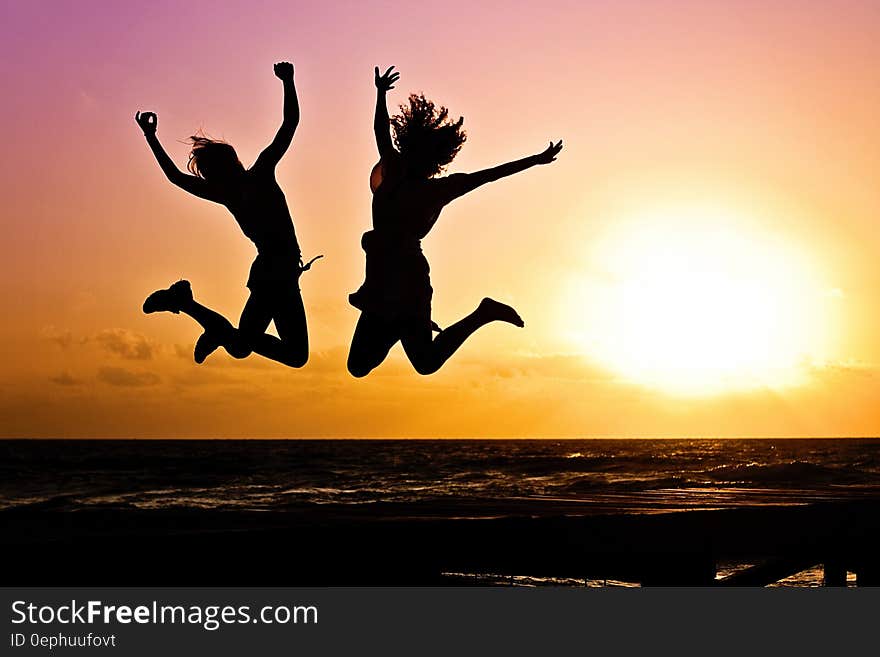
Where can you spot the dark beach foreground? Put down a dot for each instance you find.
(391, 544)
(214, 512)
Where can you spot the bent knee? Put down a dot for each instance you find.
(358, 369)
(239, 351)
(297, 360)
(425, 368)
(358, 372)
(239, 347)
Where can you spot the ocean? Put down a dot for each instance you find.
(597, 476)
(603, 475)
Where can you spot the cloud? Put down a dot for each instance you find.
(126, 344)
(328, 361)
(65, 379)
(560, 366)
(62, 337)
(200, 376)
(843, 370)
(119, 376)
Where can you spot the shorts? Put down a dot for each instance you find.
(274, 274)
(397, 282)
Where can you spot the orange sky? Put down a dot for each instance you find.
(766, 110)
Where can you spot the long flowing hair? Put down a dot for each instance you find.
(425, 136)
(211, 157)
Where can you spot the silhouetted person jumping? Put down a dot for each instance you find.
(255, 199)
(395, 299)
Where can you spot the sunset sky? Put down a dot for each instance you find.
(702, 260)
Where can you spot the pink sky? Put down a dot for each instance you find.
(771, 104)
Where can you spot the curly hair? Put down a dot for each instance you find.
(209, 157)
(425, 136)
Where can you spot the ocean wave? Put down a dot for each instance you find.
(794, 472)
(261, 475)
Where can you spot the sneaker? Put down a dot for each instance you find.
(170, 300)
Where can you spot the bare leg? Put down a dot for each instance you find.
(428, 356)
(178, 298)
(218, 330)
(292, 349)
(283, 305)
(373, 339)
(210, 320)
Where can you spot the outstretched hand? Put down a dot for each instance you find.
(549, 154)
(284, 71)
(385, 81)
(147, 122)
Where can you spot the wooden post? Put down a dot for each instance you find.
(835, 572)
(868, 574)
(868, 565)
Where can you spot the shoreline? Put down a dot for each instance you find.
(401, 544)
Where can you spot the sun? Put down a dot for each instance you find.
(697, 301)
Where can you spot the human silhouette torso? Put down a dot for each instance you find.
(397, 282)
(260, 208)
(402, 206)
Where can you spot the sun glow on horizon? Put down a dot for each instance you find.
(700, 302)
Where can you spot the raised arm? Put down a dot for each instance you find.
(384, 83)
(273, 153)
(148, 121)
(459, 184)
